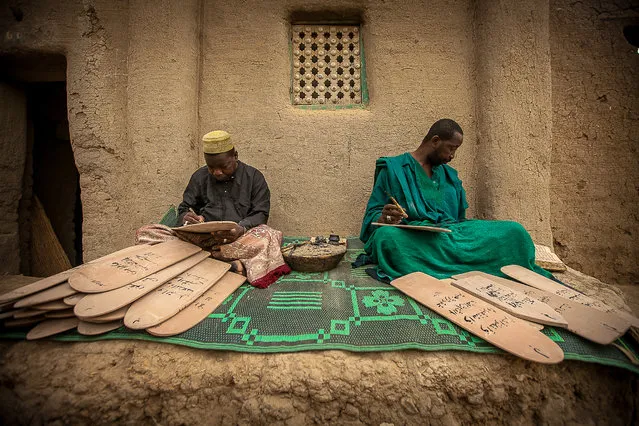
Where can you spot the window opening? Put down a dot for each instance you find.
(327, 65)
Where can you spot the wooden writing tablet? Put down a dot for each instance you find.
(28, 313)
(102, 303)
(512, 301)
(23, 322)
(60, 291)
(67, 313)
(589, 323)
(533, 279)
(73, 300)
(61, 277)
(480, 318)
(55, 305)
(207, 227)
(130, 268)
(175, 295)
(534, 325)
(201, 308)
(93, 329)
(50, 327)
(6, 306)
(37, 286)
(110, 317)
(11, 313)
(414, 227)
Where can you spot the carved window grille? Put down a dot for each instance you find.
(327, 65)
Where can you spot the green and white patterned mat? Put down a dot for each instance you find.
(341, 309)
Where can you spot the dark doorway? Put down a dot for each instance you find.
(51, 186)
(56, 181)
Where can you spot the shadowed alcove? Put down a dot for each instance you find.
(49, 199)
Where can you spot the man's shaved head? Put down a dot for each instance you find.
(445, 129)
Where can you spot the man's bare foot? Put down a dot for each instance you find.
(238, 267)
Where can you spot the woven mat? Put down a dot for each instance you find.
(341, 309)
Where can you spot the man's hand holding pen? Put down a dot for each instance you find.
(392, 213)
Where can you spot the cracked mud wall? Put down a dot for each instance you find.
(96, 88)
(132, 103)
(514, 114)
(95, 48)
(162, 86)
(595, 158)
(13, 145)
(320, 164)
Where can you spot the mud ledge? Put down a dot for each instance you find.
(153, 383)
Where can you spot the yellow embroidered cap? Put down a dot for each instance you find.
(216, 142)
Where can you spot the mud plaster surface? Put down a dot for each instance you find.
(13, 146)
(149, 383)
(595, 152)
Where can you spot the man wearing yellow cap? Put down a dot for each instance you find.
(225, 189)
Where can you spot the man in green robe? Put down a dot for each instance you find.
(431, 193)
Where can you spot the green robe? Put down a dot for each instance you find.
(473, 245)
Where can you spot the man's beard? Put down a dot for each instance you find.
(435, 160)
